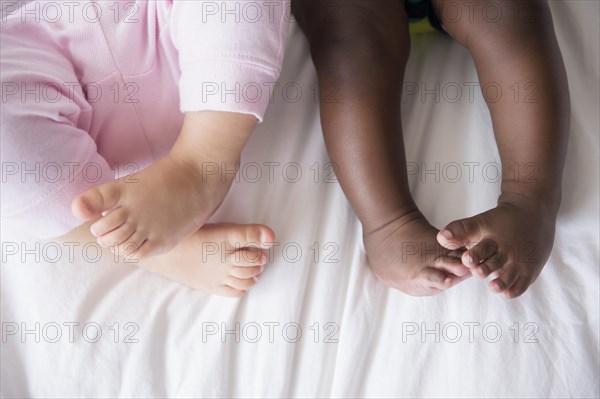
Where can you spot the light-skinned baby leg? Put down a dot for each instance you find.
(152, 211)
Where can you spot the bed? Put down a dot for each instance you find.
(318, 323)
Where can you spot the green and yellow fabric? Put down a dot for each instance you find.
(421, 17)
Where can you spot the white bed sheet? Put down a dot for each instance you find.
(378, 347)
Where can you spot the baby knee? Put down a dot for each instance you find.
(505, 20)
(358, 34)
(360, 41)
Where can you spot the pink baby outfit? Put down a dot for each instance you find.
(95, 90)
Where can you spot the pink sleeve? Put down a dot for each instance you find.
(230, 53)
(48, 158)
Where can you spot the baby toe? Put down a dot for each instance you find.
(131, 245)
(246, 272)
(518, 288)
(95, 201)
(491, 265)
(479, 253)
(508, 275)
(434, 278)
(242, 284)
(247, 257)
(110, 222)
(459, 233)
(145, 249)
(117, 236)
(249, 235)
(451, 265)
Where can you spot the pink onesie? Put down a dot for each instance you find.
(95, 90)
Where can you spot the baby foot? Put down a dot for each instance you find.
(221, 259)
(511, 243)
(151, 211)
(405, 255)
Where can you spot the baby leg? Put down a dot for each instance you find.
(515, 49)
(360, 49)
(152, 211)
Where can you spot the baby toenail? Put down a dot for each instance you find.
(447, 234)
(263, 237)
